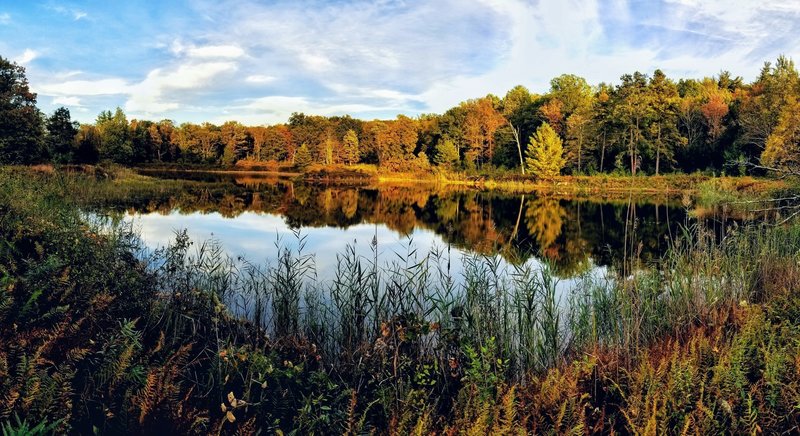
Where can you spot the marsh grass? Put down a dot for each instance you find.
(100, 335)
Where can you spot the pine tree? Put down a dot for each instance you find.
(61, 132)
(447, 154)
(545, 154)
(302, 159)
(350, 142)
(115, 136)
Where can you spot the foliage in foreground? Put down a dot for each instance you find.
(98, 335)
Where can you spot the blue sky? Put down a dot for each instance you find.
(258, 61)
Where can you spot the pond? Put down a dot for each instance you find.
(250, 217)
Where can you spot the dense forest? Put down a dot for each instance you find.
(647, 124)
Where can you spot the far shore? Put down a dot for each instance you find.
(600, 185)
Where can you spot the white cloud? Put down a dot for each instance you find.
(114, 86)
(216, 51)
(260, 78)
(67, 101)
(276, 109)
(5, 18)
(223, 51)
(152, 94)
(78, 15)
(26, 57)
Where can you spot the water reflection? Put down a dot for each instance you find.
(573, 235)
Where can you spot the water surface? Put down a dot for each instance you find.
(250, 217)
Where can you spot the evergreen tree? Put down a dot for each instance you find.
(350, 142)
(115, 138)
(545, 154)
(302, 159)
(447, 154)
(61, 132)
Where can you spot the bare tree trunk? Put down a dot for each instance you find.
(632, 155)
(580, 146)
(603, 152)
(658, 149)
(519, 147)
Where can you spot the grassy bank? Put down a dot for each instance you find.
(101, 336)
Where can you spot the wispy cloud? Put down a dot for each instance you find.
(5, 18)
(75, 13)
(152, 95)
(26, 57)
(260, 78)
(67, 101)
(110, 86)
(206, 51)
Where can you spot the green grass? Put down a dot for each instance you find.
(103, 336)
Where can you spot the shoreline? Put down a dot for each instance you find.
(673, 185)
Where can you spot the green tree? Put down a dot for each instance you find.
(631, 111)
(516, 110)
(21, 126)
(665, 110)
(61, 132)
(545, 153)
(302, 159)
(573, 92)
(115, 138)
(350, 141)
(446, 154)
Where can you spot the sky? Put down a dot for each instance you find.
(258, 61)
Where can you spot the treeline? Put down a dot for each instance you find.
(645, 123)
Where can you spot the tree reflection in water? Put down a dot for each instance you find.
(571, 234)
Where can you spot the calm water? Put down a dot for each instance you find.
(250, 217)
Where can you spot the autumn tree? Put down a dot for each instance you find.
(350, 144)
(237, 140)
(552, 113)
(21, 126)
(482, 119)
(760, 110)
(61, 132)
(782, 150)
(303, 158)
(545, 154)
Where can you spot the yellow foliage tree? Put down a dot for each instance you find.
(782, 149)
(545, 154)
